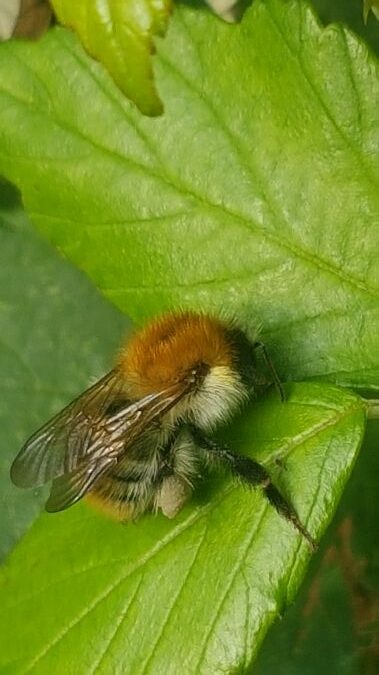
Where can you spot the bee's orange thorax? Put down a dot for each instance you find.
(165, 350)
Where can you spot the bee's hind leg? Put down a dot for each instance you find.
(253, 474)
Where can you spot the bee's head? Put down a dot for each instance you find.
(214, 357)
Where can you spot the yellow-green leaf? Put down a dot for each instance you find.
(119, 33)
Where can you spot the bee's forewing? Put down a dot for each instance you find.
(123, 428)
(60, 445)
(83, 438)
(68, 489)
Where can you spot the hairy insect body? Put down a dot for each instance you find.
(159, 470)
(157, 473)
(138, 439)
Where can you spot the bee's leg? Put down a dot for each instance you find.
(253, 474)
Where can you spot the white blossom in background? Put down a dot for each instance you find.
(9, 10)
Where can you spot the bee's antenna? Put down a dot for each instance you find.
(271, 367)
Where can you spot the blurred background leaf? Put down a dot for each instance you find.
(57, 333)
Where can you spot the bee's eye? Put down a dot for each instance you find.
(199, 372)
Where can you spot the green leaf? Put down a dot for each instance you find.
(56, 334)
(194, 595)
(255, 194)
(119, 33)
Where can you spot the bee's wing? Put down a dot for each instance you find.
(120, 431)
(77, 443)
(60, 445)
(68, 489)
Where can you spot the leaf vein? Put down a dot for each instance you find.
(118, 626)
(176, 598)
(107, 91)
(237, 567)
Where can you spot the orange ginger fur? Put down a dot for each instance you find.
(166, 349)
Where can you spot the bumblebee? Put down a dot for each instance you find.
(139, 438)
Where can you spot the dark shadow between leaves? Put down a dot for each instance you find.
(10, 197)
